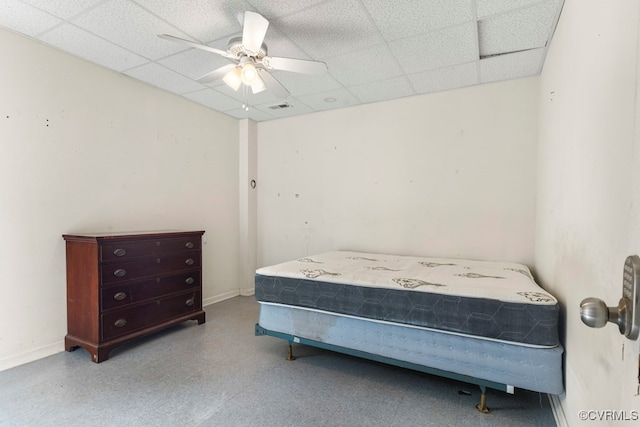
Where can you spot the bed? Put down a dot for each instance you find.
(484, 323)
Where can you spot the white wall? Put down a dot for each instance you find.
(247, 144)
(446, 174)
(87, 149)
(588, 192)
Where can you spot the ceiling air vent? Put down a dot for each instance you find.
(280, 106)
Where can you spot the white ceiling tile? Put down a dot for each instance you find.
(254, 114)
(446, 78)
(277, 8)
(214, 99)
(303, 84)
(364, 66)
(337, 98)
(493, 7)
(85, 45)
(164, 78)
(524, 28)
(511, 66)
(418, 16)
(131, 27)
(384, 90)
(194, 63)
(13, 13)
(62, 8)
(296, 107)
(331, 28)
(203, 19)
(438, 49)
(278, 44)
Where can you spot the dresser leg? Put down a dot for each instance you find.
(98, 354)
(69, 345)
(200, 318)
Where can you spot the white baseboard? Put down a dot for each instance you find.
(247, 292)
(39, 353)
(220, 297)
(30, 356)
(558, 411)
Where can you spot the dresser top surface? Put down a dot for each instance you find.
(129, 234)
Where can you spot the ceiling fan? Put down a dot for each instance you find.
(250, 63)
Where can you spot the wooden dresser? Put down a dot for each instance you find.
(123, 286)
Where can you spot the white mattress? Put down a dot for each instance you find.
(495, 300)
(527, 367)
(502, 281)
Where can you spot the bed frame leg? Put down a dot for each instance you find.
(482, 406)
(290, 355)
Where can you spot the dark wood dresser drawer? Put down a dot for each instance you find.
(141, 290)
(145, 267)
(148, 247)
(121, 286)
(127, 320)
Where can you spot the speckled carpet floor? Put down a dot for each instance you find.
(220, 374)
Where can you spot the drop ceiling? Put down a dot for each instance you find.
(375, 50)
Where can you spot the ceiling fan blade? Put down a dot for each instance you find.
(295, 65)
(216, 74)
(272, 84)
(253, 31)
(196, 45)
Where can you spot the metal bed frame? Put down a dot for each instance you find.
(483, 384)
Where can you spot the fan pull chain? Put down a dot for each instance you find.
(245, 94)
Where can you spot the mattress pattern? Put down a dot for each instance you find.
(498, 301)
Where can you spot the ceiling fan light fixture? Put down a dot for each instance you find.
(249, 74)
(233, 78)
(258, 85)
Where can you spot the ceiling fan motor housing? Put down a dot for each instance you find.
(236, 48)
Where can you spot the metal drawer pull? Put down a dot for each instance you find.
(120, 252)
(189, 302)
(189, 245)
(120, 323)
(120, 272)
(189, 261)
(189, 281)
(119, 296)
